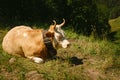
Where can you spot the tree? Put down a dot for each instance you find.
(83, 16)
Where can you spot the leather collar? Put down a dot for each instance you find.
(45, 38)
(47, 41)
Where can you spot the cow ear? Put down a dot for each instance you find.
(49, 34)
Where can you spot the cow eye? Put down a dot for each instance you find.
(60, 37)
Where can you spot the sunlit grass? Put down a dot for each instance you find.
(81, 61)
(115, 24)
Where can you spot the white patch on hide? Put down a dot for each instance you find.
(25, 34)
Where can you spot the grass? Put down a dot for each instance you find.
(115, 24)
(86, 59)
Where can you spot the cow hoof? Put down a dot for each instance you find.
(38, 60)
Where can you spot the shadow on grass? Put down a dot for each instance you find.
(71, 60)
(75, 61)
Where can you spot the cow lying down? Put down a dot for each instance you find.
(35, 44)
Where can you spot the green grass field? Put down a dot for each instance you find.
(86, 59)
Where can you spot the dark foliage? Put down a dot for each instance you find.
(85, 16)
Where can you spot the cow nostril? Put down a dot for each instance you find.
(69, 45)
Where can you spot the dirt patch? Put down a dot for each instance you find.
(33, 75)
(95, 74)
(7, 75)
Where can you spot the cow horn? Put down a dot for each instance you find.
(62, 23)
(54, 23)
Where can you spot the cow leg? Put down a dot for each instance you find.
(36, 59)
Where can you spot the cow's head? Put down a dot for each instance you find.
(59, 38)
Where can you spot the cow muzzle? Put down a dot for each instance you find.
(65, 43)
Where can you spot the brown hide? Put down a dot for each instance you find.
(27, 42)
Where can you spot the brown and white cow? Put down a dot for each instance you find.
(35, 44)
